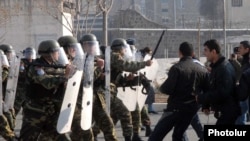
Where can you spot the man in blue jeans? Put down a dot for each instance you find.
(243, 50)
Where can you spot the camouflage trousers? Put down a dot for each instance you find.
(120, 112)
(19, 100)
(5, 130)
(145, 117)
(39, 123)
(77, 133)
(102, 119)
(136, 120)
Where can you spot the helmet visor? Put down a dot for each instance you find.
(127, 52)
(4, 60)
(62, 59)
(29, 54)
(91, 47)
(79, 54)
(10, 55)
(73, 49)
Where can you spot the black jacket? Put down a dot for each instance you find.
(221, 93)
(243, 91)
(185, 79)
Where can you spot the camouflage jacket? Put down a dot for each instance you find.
(45, 83)
(118, 65)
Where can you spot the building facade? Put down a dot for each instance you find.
(25, 23)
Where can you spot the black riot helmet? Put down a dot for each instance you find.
(119, 44)
(88, 38)
(6, 48)
(90, 44)
(29, 53)
(131, 41)
(48, 46)
(70, 45)
(8, 51)
(67, 41)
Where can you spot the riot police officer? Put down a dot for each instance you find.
(6, 131)
(29, 56)
(9, 111)
(46, 88)
(101, 117)
(120, 52)
(72, 48)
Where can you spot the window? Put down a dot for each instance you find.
(164, 10)
(236, 3)
(164, 20)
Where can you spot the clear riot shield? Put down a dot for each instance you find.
(12, 82)
(107, 77)
(62, 59)
(87, 98)
(71, 93)
(150, 73)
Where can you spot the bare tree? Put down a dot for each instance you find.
(212, 10)
(5, 17)
(105, 6)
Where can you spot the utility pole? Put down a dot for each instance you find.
(174, 13)
(224, 28)
(105, 25)
(199, 38)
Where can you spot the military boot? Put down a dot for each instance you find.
(127, 138)
(148, 131)
(136, 138)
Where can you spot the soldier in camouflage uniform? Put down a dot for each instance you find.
(10, 115)
(5, 129)
(44, 97)
(29, 56)
(118, 112)
(145, 120)
(100, 115)
(118, 65)
(138, 116)
(69, 44)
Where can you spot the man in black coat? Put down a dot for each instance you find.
(220, 96)
(184, 80)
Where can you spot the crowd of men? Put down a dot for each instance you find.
(42, 81)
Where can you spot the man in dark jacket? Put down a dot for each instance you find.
(184, 80)
(244, 50)
(220, 95)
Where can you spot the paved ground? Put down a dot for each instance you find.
(154, 118)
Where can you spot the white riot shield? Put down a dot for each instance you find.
(150, 72)
(128, 95)
(107, 77)
(1, 88)
(87, 98)
(71, 93)
(12, 83)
